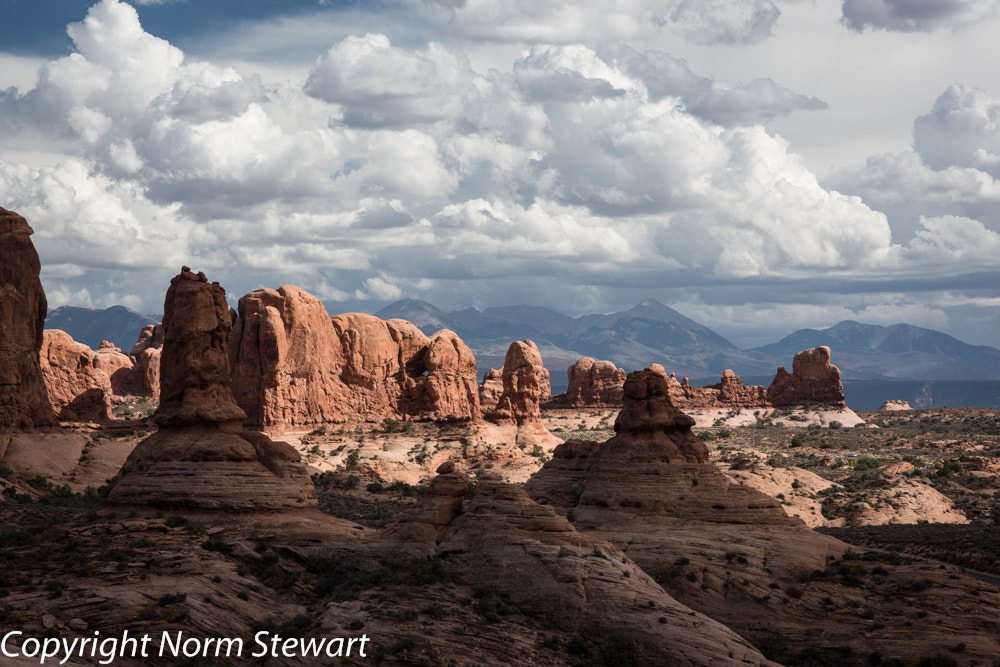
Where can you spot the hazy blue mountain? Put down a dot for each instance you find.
(897, 352)
(650, 332)
(117, 324)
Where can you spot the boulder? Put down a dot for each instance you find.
(145, 356)
(813, 380)
(77, 389)
(295, 365)
(895, 405)
(24, 401)
(201, 458)
(592, 383)
(117, 366)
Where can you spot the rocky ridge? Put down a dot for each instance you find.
(293, 365)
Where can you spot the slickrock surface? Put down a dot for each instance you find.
(200, 457)
(813, 380)
(295, 365)
(531, 558)
(145, 356)
(78, 391)
(23, 399)
(730, 552)
(117, 366)
(592, 383)
(525, 384)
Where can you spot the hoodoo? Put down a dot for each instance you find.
(201, 457)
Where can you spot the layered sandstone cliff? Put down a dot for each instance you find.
(201, 457)
(24, 402)
(293, 364)
(527, 555)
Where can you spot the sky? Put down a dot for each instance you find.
(759, 165)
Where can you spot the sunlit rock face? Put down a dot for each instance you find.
(813, 380)
(293, 364)
(77, 389)
(591, 383)
(525, 384)
(23, 399)
(201, 457)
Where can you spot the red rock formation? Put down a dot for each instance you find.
(720, 548)
(730, 392)
(293, 364)
(592, 383)
(491, 389)
(23, 399)
(77, 390)
(117, 366)
(145, 357)
(525, 382)
(813, 380)
(200, 457)
(532, 558)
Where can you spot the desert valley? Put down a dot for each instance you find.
(273, 485)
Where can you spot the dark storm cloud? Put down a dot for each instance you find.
(915, 15)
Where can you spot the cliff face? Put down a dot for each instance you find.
(293, 364)
(78, 390)
(200, 457)
(24, 401)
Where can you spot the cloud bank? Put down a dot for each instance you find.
(575, 176)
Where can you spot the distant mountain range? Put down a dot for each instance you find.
(897, 352)
(117, 324)
(650, 332)
(647, 333)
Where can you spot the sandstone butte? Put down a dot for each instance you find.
(201, 457)
(525, 383)
(293, 364)
(591, 383)
(24, 401)
(727, 550)
(533, 558)
(813, 380)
